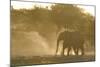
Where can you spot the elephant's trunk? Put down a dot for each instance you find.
(57, 46)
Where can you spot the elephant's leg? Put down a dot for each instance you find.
(69, 48)
(62, 53)
(82, 50)
(75, 50)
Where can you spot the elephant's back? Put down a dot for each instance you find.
(73, 38)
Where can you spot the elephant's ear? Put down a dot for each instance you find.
(61, 36)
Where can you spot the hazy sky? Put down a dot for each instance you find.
(29, 5)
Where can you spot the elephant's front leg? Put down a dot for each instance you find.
(62, 53)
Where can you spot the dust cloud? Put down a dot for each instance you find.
(32, 44)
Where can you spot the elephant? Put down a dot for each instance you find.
(71, 40)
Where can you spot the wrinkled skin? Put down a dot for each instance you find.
(71, 40)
